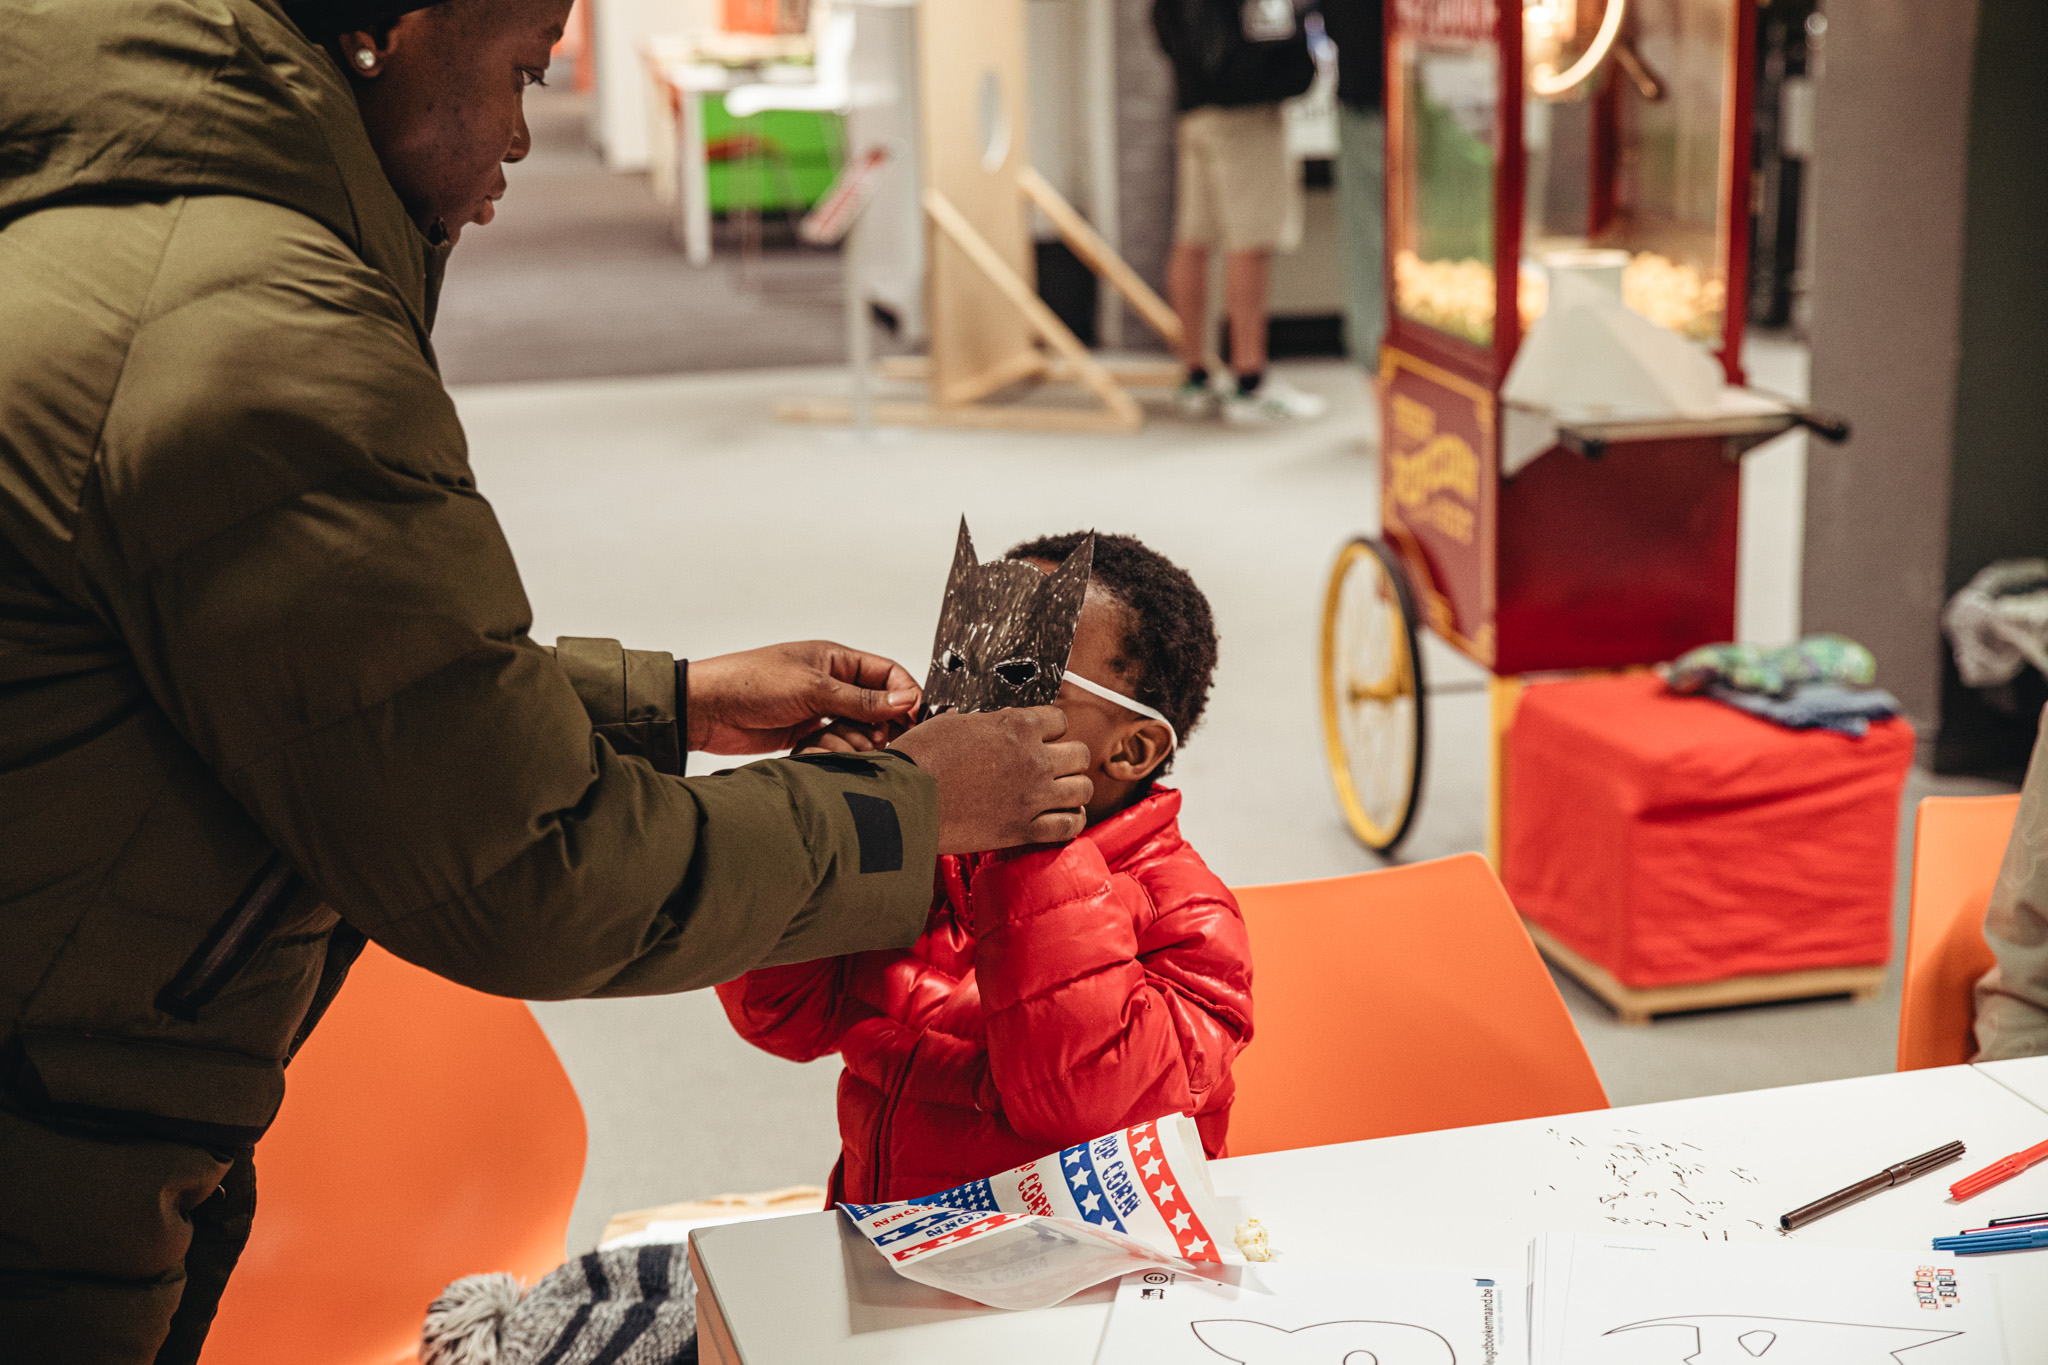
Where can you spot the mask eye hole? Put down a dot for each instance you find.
(1017, 672)
(951, 661)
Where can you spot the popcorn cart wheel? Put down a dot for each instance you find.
(1374, 727)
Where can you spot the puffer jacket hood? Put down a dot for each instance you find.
(189, 97)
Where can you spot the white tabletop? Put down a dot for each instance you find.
(809, 1288)
(2026, 1077)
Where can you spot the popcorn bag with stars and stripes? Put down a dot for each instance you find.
(1036, 1234)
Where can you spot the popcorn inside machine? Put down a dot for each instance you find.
(1590, 124)
(1567, 188)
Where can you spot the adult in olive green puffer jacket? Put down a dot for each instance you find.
(265, 680)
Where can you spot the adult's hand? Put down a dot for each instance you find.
(761, 700)
(1005, 777)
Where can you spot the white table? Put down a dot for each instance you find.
(2027, 1078)
(691, 82)
(810, 1289)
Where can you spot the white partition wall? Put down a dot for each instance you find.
(620, 113)
(892, 229)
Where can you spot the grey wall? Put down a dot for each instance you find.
(1891, 132)
(1998, 498)
(2000, 509)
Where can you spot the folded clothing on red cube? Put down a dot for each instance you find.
(1672, 840)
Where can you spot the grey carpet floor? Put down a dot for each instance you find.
(579, 276)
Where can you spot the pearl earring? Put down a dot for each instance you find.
(365, 58)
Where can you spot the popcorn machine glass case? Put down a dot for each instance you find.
(1607, 140)
(1517, 131)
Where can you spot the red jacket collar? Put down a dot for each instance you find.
(1119, 835)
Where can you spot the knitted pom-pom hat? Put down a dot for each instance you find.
(633, 1306)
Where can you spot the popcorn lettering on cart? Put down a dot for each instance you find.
(1032, 1236)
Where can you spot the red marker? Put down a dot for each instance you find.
(2005, 1168)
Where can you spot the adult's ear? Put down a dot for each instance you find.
(1140, 750)
(365, 52)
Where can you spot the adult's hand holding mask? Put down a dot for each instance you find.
(1005, 777)
(762, 700)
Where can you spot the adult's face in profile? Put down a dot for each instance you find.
(441, 91)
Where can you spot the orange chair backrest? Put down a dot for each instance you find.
(1399, 1001)
(428, 1132)
(1958, 843)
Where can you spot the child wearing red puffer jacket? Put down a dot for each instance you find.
(1057, 993)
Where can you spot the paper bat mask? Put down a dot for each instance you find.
(1005, 631)
(1724, 1339)
(1326, 1343)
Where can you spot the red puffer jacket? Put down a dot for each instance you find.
(1056, 994)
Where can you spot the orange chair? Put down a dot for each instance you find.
(428, 1132)
(1958, 843)
(1399, 1001)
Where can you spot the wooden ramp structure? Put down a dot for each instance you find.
(990, 332)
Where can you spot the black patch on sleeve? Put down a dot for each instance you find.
(846, 765)
(880, 833)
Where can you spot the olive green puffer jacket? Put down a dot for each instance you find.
(264, 664)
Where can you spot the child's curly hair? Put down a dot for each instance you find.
(1169, 645)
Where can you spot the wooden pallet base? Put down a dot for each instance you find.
(1132, 374)
(972, 416)
(1635, 1006)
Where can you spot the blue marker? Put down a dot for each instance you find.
(2013, 1239)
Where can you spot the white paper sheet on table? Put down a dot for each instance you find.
(1282, 1314)
(1654, 1301)
(1659, 1185)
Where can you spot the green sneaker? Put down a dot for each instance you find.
(1195, 400)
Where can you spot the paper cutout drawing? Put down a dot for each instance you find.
(1005, 631)
(1326, 1343)
(1718, 1339)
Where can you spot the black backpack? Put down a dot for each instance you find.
(1235, 52)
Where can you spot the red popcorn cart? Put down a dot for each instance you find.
(1527, 141)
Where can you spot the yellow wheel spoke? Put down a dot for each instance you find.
(1386, 690)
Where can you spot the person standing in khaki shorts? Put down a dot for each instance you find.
(1234, 62)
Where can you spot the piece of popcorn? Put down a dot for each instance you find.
(1251, 1240)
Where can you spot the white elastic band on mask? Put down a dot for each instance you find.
(1172, 738)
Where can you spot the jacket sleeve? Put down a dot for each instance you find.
(630, 697)
(798, 1012)
(283, 527)
(1091, 1026)
(2012, 998)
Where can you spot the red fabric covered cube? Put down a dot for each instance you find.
(1674, 839)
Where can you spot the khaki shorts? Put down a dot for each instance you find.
(1237, 189)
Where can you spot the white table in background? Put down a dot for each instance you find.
(691, 83)
(809, 1289)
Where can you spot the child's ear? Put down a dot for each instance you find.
(1141, 748)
